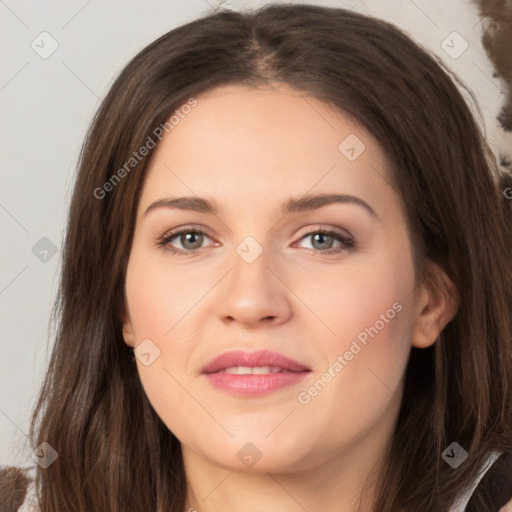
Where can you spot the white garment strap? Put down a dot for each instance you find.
(461, 503)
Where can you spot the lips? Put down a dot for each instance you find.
(260, 359)
(253, 374)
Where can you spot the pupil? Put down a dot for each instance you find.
(189, 237)
(322, 236)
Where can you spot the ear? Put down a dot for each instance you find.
(128, 335)
(436, 303)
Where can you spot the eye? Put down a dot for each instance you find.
(191, 240)
(323, 240)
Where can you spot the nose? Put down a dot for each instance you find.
(254, 293)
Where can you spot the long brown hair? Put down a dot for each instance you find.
(114, 452)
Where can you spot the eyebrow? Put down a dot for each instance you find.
(303, 204)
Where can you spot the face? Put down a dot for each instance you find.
(328, 285)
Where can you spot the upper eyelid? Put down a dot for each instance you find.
(186, 229)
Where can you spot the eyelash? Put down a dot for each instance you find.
(347, 240)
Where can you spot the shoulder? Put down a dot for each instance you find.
(493, 485)
(17, 489)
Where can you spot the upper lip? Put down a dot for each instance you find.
(251, 360)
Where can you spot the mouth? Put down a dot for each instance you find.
(253, 373)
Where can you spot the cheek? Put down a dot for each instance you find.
(366, 301)
(158, 304)
(359, 386)
(159, 298)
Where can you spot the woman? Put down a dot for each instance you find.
(267, 372)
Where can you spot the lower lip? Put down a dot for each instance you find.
(254, 385)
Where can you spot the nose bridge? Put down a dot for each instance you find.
(252, 291)
(250, 263)
(251, 275)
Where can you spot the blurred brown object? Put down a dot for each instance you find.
(13, 488)
(497, 40)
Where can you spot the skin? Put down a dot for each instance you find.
(251, 150)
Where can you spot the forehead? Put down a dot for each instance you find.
(246, 144)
